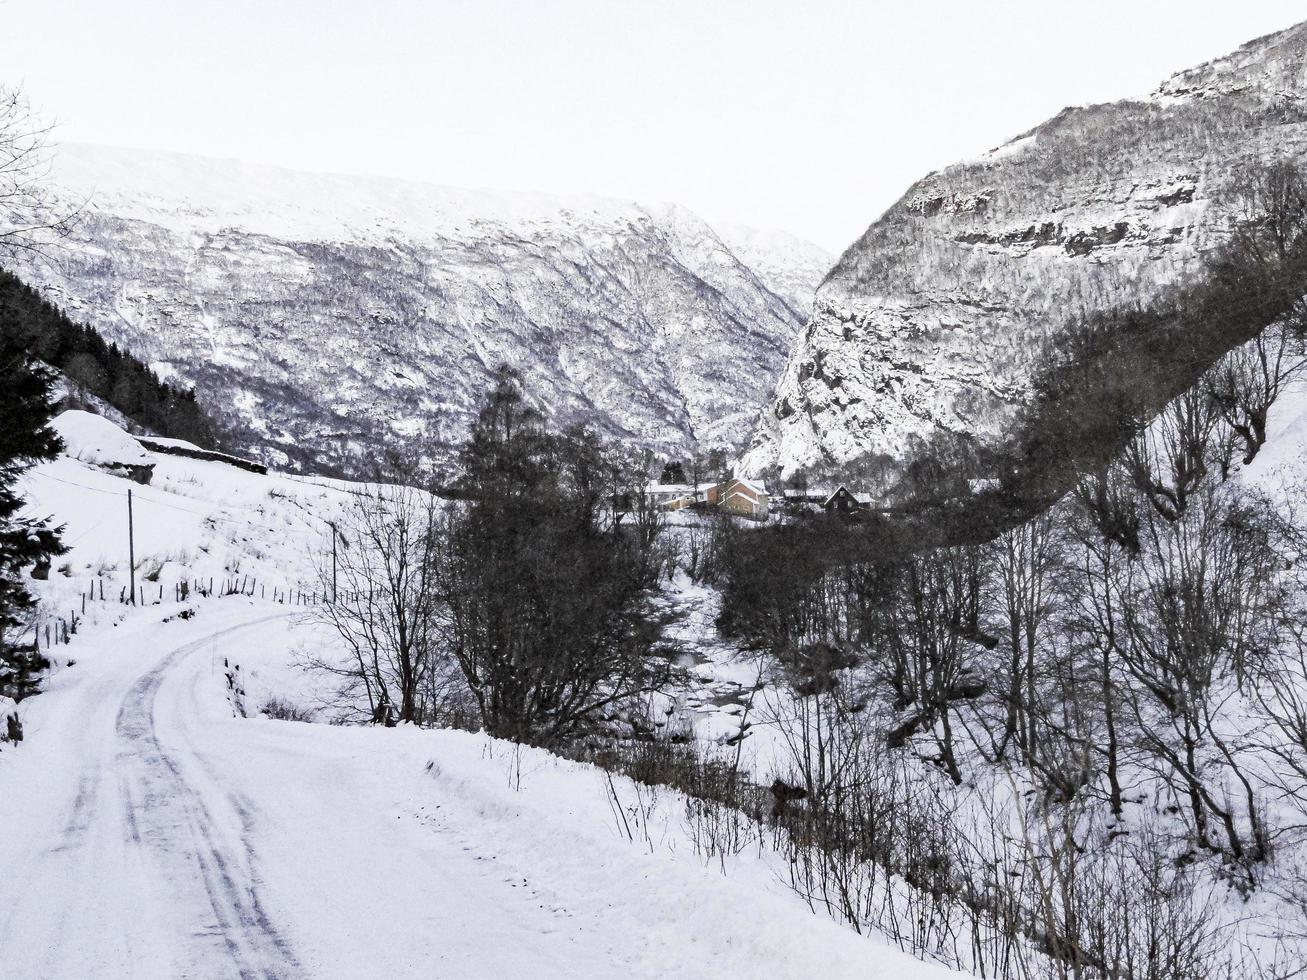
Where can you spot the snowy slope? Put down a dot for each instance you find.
(195, 520)
(1280, 467)
(326, 316)
(930, 321)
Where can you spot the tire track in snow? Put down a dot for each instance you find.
(79, 817)
(167, 806)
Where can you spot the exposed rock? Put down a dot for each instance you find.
(932, 320)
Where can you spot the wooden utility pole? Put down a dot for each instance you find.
(333, 564)
(131, 547)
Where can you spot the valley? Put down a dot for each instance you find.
(400, 579)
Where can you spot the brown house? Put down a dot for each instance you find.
(740, 496)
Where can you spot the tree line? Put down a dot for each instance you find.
(28, 223)
(25, 439)
(95, 367)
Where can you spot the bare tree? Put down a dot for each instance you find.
(1023, 561)
(1269, 209)
(1167, 461)
(1248, 380)
(383, 602)
(1096, 588)
(1267, 257)
(1196, 628)
(1108, 500)
(30, 218)
(926, 643)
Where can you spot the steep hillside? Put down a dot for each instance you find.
(932, 319)
(94, 372)
(327, 316)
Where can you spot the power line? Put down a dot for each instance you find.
(206, 516)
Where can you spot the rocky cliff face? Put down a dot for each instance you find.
(931, 320)
(323, 318)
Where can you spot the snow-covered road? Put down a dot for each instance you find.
(140, 830)
(147, 832)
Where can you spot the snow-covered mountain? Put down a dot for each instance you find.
(325, 317)
(931, 320)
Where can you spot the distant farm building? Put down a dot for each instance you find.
(673, 496)
(844, 502)
(744, 498)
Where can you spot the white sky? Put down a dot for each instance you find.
(807, 115)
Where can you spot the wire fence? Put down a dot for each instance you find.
(57, 630)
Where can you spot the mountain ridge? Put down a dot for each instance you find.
(324, 315)
(931, 321)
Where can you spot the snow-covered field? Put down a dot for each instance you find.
(152, 831)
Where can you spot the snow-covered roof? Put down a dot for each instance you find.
(98, 441)
(753, 485)
(860, 496)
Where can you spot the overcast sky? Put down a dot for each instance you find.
(805, 115)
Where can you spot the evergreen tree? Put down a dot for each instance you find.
(25, 439)
(547, 592)
(30, 322)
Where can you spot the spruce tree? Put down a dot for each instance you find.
(25, 439)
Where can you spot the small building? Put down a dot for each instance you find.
(844, 502)
(673, 496)
(804, 495)
(744, 498)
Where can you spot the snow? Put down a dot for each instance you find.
(98, 441)
(314, 314)
(152, 830)
(1014, 147)
(196, 520)
(298, 205)
(1280, 467)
